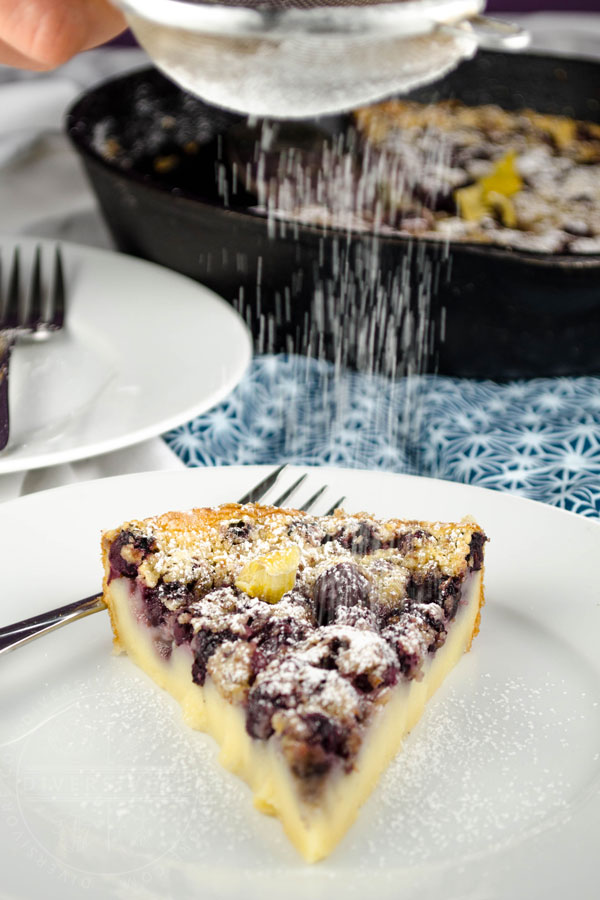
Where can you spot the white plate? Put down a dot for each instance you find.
(143, 350)
(105, 793)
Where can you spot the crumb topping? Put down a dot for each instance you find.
(367, 602)
(186, 543)
(448, 171)
(354, 651)
(224, 609)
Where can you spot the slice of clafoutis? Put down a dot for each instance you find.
(306, 646)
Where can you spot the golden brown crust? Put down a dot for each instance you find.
(478, 619)
(445, 544)
(107, 539)
(381, 119)
(185, 544)
(306, 623)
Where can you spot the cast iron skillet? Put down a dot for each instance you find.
(496, 313)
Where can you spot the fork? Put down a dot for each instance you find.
(37, 319)
(19, 633)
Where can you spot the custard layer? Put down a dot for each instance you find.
(314, 828)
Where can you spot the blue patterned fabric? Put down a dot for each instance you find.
(539, 439)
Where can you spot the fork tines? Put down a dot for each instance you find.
(258, 492)
(44, 311)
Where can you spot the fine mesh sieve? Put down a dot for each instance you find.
(300, 58)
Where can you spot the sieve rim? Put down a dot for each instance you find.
(385, 19)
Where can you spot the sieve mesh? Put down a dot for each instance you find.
(294, 4)
(301, 58)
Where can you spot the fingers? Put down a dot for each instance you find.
(42, 34)
(11, 57)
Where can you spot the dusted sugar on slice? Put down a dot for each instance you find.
(306, 645)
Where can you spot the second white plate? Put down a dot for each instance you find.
(104, 792)
(143, 350)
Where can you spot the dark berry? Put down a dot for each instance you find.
(433, 618)
(238, 531)
(405, 542)
(361, 539)
(262, 705)
(435, 588)
(449, 596)
(475, 557)
(364, 540)
(341, 585)
(182, 632)
(154, 610)
(258, 717)
(204, 644)
(326, 732)
(275, 634)
(362, 683)
(423, 588)
(138, 547)
(174, 594)
(404, 639)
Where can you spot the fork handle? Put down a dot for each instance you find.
(5, 348)
(12, 636)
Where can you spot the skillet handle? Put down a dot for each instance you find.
(493, 34)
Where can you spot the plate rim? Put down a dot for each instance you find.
(240, 366)
(48, 500)
(300, 468)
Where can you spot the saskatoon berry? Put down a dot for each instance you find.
(182, 632)
(450, 590)
(204, 644)
(360, 540)
(174, 594)
(274, 635)
(238, 531)
(476, 550)
(138, 547)
(325, 731)
(153, 608)
(405, 541)
(341, 585)
(364, 540)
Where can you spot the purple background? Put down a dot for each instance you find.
(543, 5)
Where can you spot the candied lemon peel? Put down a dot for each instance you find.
(271, 576)
(492, 193)
(560, 128)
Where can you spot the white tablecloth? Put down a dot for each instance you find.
(43, 191)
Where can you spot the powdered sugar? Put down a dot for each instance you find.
(357, 652)
(184, 543)
(224, 609)
(296, 684)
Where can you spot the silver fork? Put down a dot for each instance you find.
(19, 633)
(43, 314)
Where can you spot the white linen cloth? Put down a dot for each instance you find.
(43, 192)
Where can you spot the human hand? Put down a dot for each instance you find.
(43, 34)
